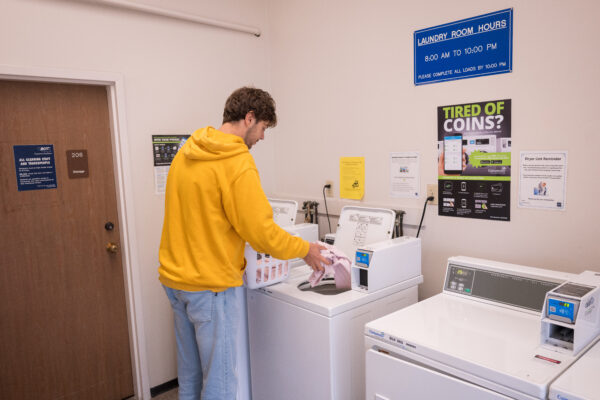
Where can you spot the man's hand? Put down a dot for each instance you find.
(314, 257)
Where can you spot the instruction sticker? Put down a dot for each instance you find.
(35, 167)
(352, 177)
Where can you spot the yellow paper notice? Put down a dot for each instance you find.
(352, 177)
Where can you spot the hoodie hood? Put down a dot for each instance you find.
(209, 144)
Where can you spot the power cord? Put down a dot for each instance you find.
(430, 198)
(327, 186)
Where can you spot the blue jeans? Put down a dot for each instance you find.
(205, 330)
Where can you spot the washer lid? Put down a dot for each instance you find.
(359, 226)
(284, 211)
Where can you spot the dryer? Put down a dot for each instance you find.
(478, 339)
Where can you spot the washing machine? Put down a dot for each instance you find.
(478, 339)
(284, 215)
(308, 343)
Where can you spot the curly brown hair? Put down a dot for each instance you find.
(247, 99)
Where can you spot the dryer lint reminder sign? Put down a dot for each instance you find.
(35, 167)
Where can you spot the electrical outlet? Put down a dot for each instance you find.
(432, 190)
(329, 192)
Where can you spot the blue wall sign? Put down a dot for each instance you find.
(464, 49)
(35, 167)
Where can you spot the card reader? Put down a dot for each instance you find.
(386, 263)
(571, 316)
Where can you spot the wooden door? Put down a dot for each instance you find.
(63, 319)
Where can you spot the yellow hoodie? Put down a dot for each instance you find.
(214, 203)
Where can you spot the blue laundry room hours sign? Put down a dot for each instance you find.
(467, 48)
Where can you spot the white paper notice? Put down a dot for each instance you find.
(405, 178)
(543, 179)
(160, 178)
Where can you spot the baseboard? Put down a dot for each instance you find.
(165, 387)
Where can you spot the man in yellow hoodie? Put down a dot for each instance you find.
(214, 204)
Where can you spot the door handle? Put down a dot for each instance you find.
(112, 247)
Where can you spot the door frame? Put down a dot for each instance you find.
(125, 201)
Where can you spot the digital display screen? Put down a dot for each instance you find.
(363, 258)
(563, 309)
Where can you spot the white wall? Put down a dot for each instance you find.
(177, 76)
(342, 73)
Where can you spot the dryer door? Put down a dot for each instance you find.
(389, 378)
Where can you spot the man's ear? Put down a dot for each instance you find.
(249, 118)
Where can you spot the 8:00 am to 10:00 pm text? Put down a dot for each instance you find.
(459, 52)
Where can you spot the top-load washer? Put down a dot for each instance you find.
(284, 215)
(308, 344)
(478, 339)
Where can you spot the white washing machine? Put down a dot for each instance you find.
(581, 381)
(478, 339)
(308, 344)
(284, 215)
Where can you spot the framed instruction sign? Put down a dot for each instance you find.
(467, 48)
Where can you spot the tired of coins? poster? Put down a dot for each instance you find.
(474, 160)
